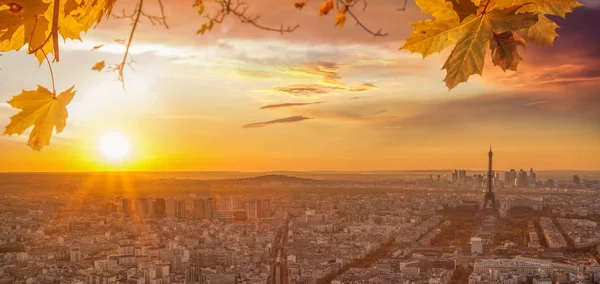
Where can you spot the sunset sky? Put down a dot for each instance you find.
(320, 98)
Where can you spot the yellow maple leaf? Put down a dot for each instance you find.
(471, 35)
(325, 7)
(41, 109)
(504, 50)
(547, 7)
(98, 66)
(340, 17)
(463, 8)
(206, 27)
(434, 35)
(22, 22)
(544, 31)
(199, 4)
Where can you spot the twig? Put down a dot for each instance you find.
(403, 7)
(358, 22)
(54, 31)
(121, 66)
(162, 13)
(238, 10)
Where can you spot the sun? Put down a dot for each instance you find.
(114, 146)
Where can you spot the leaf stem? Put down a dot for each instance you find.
(51, 72)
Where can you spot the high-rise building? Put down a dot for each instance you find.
(252, 210)
(126, 207)
(170, 207)
(142, 207)
(522, 180)
(159, 207)
(203, 208)
(478, 180)
(576, 179)
(510, 176)
(179, 209)
(226, 204)
(462, 177)
(259, 209)
(454, 177)
(209, 209)
(532, 177)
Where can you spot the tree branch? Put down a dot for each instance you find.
(358, 22)
(238, 10)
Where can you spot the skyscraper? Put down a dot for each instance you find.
(522, 179)
(159, 207)
(203, 208)
(126, 207)
(532, 177)
(462, 176)
(209, 208)
(179, 209)
(454, 177)
(252, 210)
(142, 207)
(576, 179)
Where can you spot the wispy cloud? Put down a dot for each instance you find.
(290, 119)
(285, 105)
(535, 103)
(304, 90)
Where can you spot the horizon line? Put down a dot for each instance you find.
(283, 171)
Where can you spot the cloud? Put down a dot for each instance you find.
(303, 90)
(290, 119)
(535, 103)
(363, 87)
(285, 105)
(254, 74)
(327, 71)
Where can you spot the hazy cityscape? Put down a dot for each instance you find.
(453, 226)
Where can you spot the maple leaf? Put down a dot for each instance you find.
(41, 109)
(205, 27)
(299, 5)
(22, 22)
(504, 50)
(98, 66)
(544, 31)
(340, 17)
(433, 35)
(325, 7)
(463, 8)
(471, 35)
(547, 7)
(199, 4)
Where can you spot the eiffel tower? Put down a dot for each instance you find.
(490, 202)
